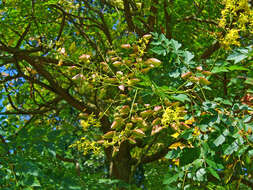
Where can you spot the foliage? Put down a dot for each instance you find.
(126, 94)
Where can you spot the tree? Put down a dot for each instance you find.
(110, 81)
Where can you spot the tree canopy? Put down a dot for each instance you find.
(126, 94)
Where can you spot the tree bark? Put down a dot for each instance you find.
(120, 166)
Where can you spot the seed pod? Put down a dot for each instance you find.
(111, 52)
(109, 135)
(186, 75)
(115, 58)
(157, 108)
(156, 129)
(124, 110)
(153, 61)
(138, 133)
(199, 68)
(156, 121)
(207, 73)
(125, 46)
(121, 87)
(147, 36)
(117, 64)
(146, 113)
(204, 81)
(84, 57)
(138, 59)
(194, 79)
(110, 80)
(131, 140)
(137, 120)
(114, 125)
(100, 142)
(132, 82)
(145, 70)
(129, 125)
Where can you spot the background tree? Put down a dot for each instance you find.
(105, 89)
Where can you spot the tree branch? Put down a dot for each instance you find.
(23, 35)
(210, 50)
(155, 156)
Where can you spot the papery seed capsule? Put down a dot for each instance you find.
(117, 64)
(146, 113)
(138, 133)
(136, 119)
(115, 58)
(186, 75)
(111, 52)
(131, 140)
(203, 80)
(129, 125)
(134, 81)
(147, 36)
(199, 68)
(157, 108)
(109, 134)
(125, 46)
(85, 57)
(145, 70)
(153, 61)
(194, 79)
(156, 129)
(156, 121)
(121, 87)
(207, 73)
(124, 110)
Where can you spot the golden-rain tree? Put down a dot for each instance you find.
(103, 80)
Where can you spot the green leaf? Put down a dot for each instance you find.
(231, 148)
(237, 57)
(32, 181)
(188, 155)
(219, 140)
(188, 56)
(175, 44)
(168, 179)
(200, 174)
(220, 70)
(249, 81)
(159, 50)
(181, 98)
(214, 173)
(237, 68)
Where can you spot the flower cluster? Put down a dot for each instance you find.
(173, 115)
(90, 121)
(236, 18)
(85, 145)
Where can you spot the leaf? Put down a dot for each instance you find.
(181, 98)
(168, 179)
(32, 181)
(249, 81)
(175, 44)
(231, 148)
(219, 140)
(214, 173)
(200, 174)
(189, 155)
(158, 50)
(188, 56)
(237, 57)
(237, 68)
(220, 70)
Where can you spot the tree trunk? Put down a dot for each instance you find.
(120, 166)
